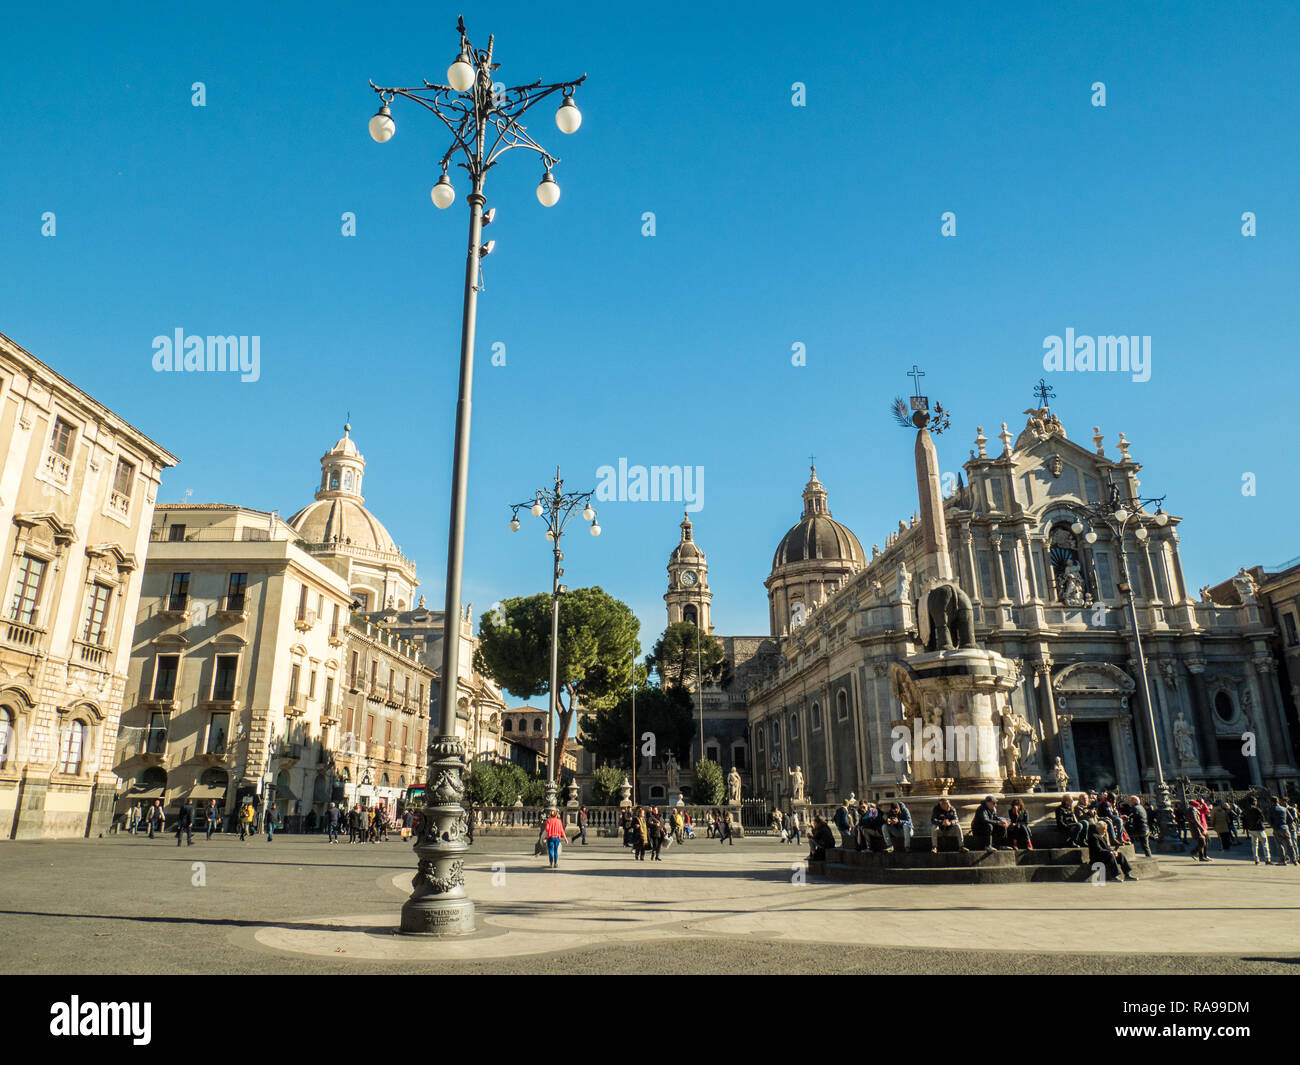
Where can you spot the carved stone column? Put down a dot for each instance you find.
(1047, 712)
(439, 905)
(1266, 671)
(1204, 721)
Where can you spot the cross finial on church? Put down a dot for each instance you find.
(1043, 391)
(812, 461)
(916, 373)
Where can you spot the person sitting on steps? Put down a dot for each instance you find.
(988, 829)
(944, 822)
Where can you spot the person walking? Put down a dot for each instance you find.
(213, 816)
(1198, 823)
(185, 824)
(655, 823)
(245, 821)
(1139, 826)
(640, 833)
(333, 818)
(582, 825)
(1221, 823)
(554, 833)
(1277, 821)
(155, 817)
(792, 826)
(1257, 829)
(724, 833)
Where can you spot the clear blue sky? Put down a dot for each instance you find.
(776, 225)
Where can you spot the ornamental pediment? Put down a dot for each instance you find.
(1098, 677)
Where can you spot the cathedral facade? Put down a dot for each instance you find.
(817, 691)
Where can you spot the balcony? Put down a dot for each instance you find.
(295, 706)
(305, 620)
(233, 608)
(174, 607)
(336, 636)
(23, 636)
(222, 702)
(288, 752)
(56, 468)
(355, 682)
(162, 702)
(150, 746)
(94, 655)
(391, 698)
(119, 504)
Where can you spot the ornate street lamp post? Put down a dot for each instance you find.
(484, 124)
(557, 506)
(1120, 516)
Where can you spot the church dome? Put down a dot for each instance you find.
(817, 537)
(338, 515)
(687, 550)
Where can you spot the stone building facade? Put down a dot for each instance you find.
(1049, 601)
(77, 493)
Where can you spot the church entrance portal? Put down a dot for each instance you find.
(1095, 755)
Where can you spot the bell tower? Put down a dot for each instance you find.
(688, 596)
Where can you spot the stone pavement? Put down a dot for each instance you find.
(300, 905)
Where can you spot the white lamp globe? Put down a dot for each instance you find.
(460, 75)
(550, 535)
(382, 126)
(514, 524)
(443, 194)
(548, 191)
(1076, 528)
(536, 508)
(595, 528)
(568, 117)
(1091, 537)
(1141, 532)
(1121, 514)
(1162, 518)
(588, 513)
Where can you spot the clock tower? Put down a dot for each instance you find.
(688, 596)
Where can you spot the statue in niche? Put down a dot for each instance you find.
(1059, 775)
(1183, 742)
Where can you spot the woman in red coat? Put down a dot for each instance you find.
(554, 833)
(1200, 830)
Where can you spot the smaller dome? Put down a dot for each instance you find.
(818, 536)
(687, 550)
(344, 445)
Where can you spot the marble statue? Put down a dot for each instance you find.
(1014, 727)
(670, 768)
(904, 583)
(1206, 597)
(1072, 586)
(948, 621)
(733, 787)
(1059, 775)
(1245, 585)
(796, 784)
(1183, 740)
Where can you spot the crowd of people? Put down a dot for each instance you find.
(1272, 819)
(648, 830)
(363, 825)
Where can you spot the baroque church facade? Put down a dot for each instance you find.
(816, 692)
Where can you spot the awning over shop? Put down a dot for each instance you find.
(206, 792)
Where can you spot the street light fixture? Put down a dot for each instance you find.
(484, 125)
(1119, 515)
(559, 506)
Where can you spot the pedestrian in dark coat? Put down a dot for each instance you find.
(185, 824)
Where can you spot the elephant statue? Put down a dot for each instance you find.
(951, 619)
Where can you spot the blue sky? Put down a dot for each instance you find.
(775, 225)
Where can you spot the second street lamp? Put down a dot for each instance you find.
(558, 506)
(484, 125)
(1119, 516)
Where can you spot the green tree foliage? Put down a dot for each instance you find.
(606, 785)
(492, 784)
(598, 641)
(607, 733)
(676, 659)
(710, 788)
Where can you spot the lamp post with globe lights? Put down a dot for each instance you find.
(1121, 516)
(483, 121)
(557, 506)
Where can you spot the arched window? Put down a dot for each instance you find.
(537, 724)
(689, 614)
(816, 715)
(776, 735)
(334, 480)
(794, 725)
(7, 725)
(1223, 706)
(841, 705)
(347, 480)
(72, 744)
(506, 726)
(383, 782)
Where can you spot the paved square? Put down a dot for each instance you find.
(122, 905)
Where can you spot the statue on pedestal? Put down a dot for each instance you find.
(1245, 585)
(796, 784)
(1059, 775)
(670, 768)
(733, 787)
(1183, 742)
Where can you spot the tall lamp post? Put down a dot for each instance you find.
(484, 125)
(1119, 516)
(557, 506)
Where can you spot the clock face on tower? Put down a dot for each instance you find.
(689, 578)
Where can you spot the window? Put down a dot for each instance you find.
(96, 614)
(1223, 706)
(1289, 630)
(1010, 574)
(294, 674)
(329, 696)
(180, 591)
(841, 705)
(71, 744)
(405, 746)
(1105, 577)
(995, 486)
(507, 725)
(311, 685)
(175, 533)
(124, 478)
(356, 666)
(374, 674)
(816, 715)
(334, 624)
(164, 676)
(236, 590)
(223, 684)
(987, 590)
(218, 730)
(738, 757)
(1091, 493)
(794, 726)
(62, 437)
(27, 590)
(302, 603)
(6, 735)
(537, 724)
(711, 752)
(370, 727)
